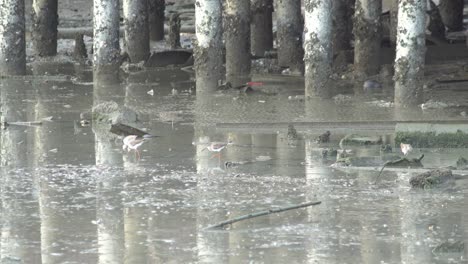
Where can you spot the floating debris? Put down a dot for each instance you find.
(431, 104)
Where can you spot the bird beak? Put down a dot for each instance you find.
(150, 136)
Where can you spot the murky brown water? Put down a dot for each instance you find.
(70, 195)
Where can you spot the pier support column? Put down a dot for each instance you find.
(317, 46)
(106, 36)
(367, 37)
(410, 52)
(342, 24)
(156, 19)
(12, 38)
(236, 26)
(261, 28)
(393, 21)
(44, 27)
(289, 34)
(136, 29)
(208, 51)
(452, 14)
(174, 31)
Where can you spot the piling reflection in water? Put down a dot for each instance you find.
(18, 187)
(86, 201)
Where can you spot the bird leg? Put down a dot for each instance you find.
(216, 155)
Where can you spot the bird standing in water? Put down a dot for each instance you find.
(406, 148)
(217, 147)
(133, 142)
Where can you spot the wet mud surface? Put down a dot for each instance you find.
(69, 194)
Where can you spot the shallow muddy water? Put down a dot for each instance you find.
(69, 194)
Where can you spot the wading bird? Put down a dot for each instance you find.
(217, 147)
(133, 142)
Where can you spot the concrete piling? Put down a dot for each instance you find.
(12, 38)
(156, 19)
(174, 31)
(44, 28)
(236, 26)
(317, 47)
(136, 29)
(410, 53)
(367, 37)
(342, 24)
(393, 21)
(208, 51)
(289, 34)
(342, 32)
(106, 54)
(261, 28)
(79, 52)
(452, 14)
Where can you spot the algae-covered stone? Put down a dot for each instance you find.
(457, 139)
(430, 179)
(359, 140)
(450, 247)
(111, 112)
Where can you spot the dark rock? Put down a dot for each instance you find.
(292, 133)
(430, 179)
(169, 57)
(462, 163)
(324, 138)
(386, 149)
(324, 153)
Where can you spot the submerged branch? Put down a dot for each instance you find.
(403, 162)
(22, 123)
(261, 213)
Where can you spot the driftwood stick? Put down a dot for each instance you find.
(24, 123)
(261, 213)
(398, 161)
(383, 167)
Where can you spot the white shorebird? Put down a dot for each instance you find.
(133, 142)
(217, 147)
(406, 148)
